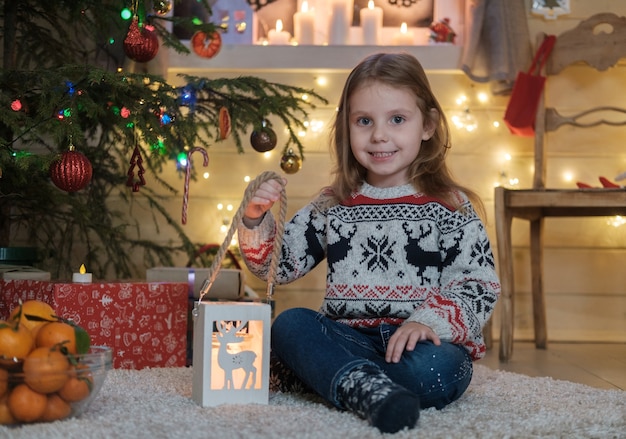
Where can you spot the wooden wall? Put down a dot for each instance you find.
(585, 258)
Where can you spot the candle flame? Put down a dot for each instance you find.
(279, 25)
(370, 4)
(403, 28)
(82, 269)
(305, 6)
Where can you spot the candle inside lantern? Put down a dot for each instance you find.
(404, 37)
(304, 25)
(82, 276)
(278, 36)
(371, 23)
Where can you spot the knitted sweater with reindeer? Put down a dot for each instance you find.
(393, 255)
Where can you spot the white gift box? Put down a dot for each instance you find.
(22, 272)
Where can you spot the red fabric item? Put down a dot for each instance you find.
(608, 184)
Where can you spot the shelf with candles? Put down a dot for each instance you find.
(244, 57)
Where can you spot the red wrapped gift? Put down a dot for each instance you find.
(144, 323)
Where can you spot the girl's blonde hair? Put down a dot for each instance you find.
(428, 173)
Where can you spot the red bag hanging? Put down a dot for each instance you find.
(522, 107)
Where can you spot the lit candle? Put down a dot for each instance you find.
(371, 23)
(304, 25)
(338, 31)
(404, 37)
(82, 277)
(278, 36)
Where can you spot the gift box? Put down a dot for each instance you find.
(229, 283)
(145, 323)
(18, 272)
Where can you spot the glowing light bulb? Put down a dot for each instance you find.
(568, 176)
(482, 97)
(616, 221)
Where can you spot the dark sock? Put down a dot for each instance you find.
(371, 394)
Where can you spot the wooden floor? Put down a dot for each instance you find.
(601, 365)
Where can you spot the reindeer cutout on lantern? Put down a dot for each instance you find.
(227, 334)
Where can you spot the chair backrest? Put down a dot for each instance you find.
(600, 42)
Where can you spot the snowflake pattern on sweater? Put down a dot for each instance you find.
(393, 255)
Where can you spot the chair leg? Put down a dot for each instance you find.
(536, 270)
(504, 220)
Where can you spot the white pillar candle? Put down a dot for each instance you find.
(371, 23)
(405, 37)
(339, 26)
(278, 36)
(82, 276)
(304, 25)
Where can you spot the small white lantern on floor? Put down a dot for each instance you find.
(231, 350)
(231, 340)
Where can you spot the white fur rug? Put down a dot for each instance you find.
(156, 403)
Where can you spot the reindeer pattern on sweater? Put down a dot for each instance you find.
(393, 255)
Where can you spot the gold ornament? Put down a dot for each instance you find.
(290, 162)
(162, 7)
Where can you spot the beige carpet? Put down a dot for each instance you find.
(157, 403)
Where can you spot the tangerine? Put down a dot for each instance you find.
(77, 387)
(6, 418)
(25, 404)
(33, 314)
(57, 333)
(46, 370)
(16, 341)
(56, 408)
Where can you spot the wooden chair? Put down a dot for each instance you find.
(589, 43)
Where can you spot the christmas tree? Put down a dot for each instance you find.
(77, 126)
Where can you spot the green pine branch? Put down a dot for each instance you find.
(60, 63)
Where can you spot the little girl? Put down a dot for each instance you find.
(411, 278)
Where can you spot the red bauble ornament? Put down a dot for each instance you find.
(140, 45)
(72, 171)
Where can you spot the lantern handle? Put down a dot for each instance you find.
(278, 238)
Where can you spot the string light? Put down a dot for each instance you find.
(321, 81)
(616, 221)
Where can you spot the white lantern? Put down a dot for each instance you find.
(231, 340)
(231, 347)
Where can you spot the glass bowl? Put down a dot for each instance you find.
(63, 391)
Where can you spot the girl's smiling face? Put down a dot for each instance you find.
(386, 132)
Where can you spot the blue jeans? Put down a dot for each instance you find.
(321, 351)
